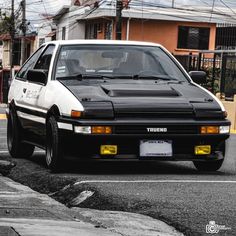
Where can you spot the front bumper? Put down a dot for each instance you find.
(127, 135)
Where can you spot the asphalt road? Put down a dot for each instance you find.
(175, 192)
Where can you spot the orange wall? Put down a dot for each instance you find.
(164, 32)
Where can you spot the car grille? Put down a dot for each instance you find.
(181, 129)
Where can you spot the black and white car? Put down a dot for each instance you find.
(96, 100)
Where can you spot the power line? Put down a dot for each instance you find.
(227, 6)
(213, 5)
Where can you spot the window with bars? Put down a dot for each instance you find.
(193, 37)
(91, 31)
(108, 30)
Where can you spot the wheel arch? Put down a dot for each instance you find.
(11, 108)
(53, 111)
(12, 105)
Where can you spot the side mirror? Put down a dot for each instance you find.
(198, 77)
(37, 76)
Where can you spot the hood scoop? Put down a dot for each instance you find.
(139, 91)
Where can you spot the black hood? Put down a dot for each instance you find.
(146, 98)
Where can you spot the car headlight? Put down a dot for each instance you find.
(94, 110)
(93, 129)
(213, 129)
(224, 129)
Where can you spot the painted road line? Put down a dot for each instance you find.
(3, 116)
(6, 151)
(156, 181)
(233, 131)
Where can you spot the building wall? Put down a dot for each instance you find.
(164, 32)
(6, 51)
(76, 30)
(6, 54)
(63, 22)
(43, 31)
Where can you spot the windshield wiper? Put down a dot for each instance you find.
(81, 76)
(156, 77)
(94, 76)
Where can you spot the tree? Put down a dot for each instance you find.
(5, 23)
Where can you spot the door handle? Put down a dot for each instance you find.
(24, 90)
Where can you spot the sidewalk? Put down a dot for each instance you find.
(28, 213)
(3, 111)
(3, 105)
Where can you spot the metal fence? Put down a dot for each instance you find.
(220, 67)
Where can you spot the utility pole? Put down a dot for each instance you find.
(23, 28)
(12, 33)
(173, 3)
(119, 7)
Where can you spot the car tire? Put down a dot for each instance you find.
(16, 147)
(54, 150)
(208, 165)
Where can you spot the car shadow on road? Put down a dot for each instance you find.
(126, 167)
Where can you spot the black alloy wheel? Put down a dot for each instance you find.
(54, 151)
(208, 165)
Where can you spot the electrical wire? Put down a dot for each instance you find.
(213, 5)
(227, 6)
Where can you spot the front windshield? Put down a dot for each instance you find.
(116, 61)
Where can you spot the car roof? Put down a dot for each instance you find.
(102, 42)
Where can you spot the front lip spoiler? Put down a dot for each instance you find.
(124, 157)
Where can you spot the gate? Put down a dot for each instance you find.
(220, 67)
(228, 82)
(4, 83)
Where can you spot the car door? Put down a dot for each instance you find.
(36, 110)
(18, 86)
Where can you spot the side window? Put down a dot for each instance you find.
(29, 64)
(44, 61)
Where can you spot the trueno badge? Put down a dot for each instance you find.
(157, 130)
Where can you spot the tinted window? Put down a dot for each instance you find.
(45, 59)
(193, 37)
(29, 64)
(115, 61)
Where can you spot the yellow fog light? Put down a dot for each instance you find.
(108, 150)
(209, 129)
(202, 150)
(101, 129)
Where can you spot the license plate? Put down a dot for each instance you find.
(156, 148)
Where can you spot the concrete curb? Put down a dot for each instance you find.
(30, 213)
(130, 224)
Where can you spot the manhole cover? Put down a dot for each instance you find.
(7, 231)
(26, 213)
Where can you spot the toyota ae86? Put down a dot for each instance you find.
(113, 100)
